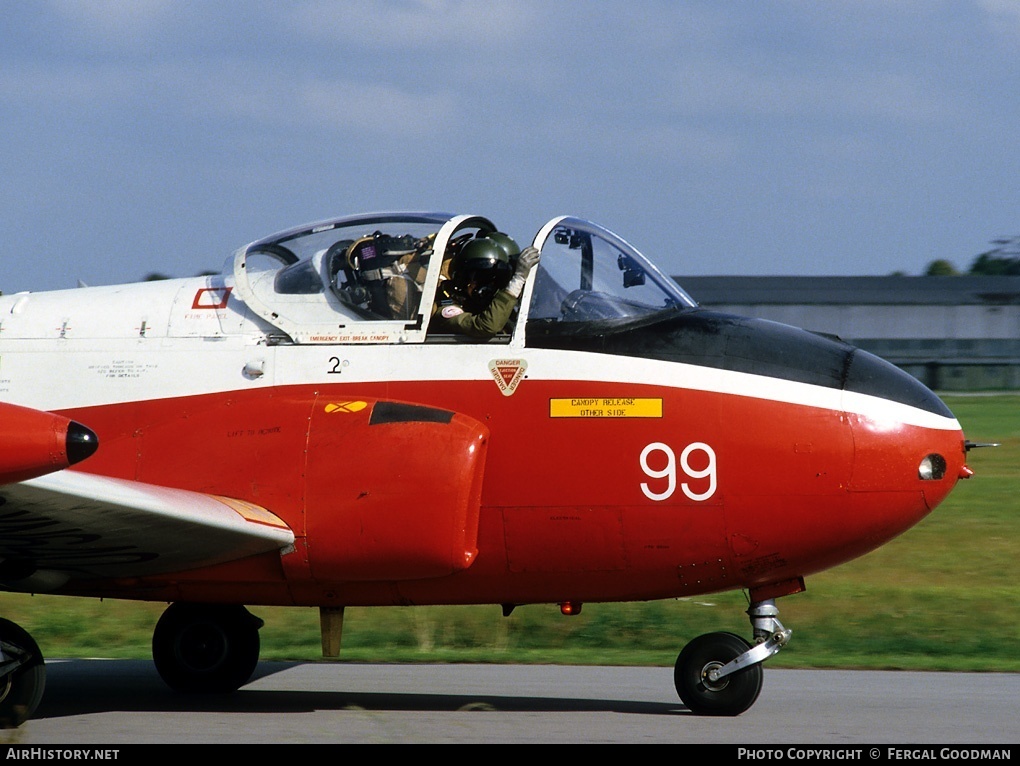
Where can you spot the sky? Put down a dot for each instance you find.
(750, 137)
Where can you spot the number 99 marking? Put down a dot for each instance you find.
(669, 473)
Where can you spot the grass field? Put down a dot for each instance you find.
(944, 596)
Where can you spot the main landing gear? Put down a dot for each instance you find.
(206, 648)
(196, 648)
(22, 675)
(721, 673)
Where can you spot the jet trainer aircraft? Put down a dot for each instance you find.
(290, 432)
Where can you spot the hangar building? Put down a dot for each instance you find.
(954, 333)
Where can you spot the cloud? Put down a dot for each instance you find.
(369, 108)
(62, 86)
(229, 91)
(1003, 17)
(715, 88)
(114, 20)
(418, 25)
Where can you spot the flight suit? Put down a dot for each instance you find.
(449, 317)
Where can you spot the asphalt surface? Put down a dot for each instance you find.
(111, 702)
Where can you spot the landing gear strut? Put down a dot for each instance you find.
(721, 673)
(22, 675)
(206, 648)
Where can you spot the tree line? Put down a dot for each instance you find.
(1001, 261)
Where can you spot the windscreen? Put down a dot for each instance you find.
(587, 274)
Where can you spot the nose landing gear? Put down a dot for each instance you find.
(721, 673)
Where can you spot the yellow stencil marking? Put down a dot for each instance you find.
(346, 406)
(605, 407)
(251, 512)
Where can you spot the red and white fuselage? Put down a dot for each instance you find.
(619, 443)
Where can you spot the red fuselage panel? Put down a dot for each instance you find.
(685, 492)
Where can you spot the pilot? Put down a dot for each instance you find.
(482, 289)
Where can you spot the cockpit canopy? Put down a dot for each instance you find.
(374, 278)
(590, 276)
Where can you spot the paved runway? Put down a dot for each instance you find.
(110, 702)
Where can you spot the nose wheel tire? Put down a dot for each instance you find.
(206, 649)
(21, 690)
(727, 696)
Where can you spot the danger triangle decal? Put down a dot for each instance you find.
(507, 373)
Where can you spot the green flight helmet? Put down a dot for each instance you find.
(479, 270)
(507, 243)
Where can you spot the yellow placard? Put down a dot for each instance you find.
(605, 407)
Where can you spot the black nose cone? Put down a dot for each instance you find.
(82, 442)
(868, 374)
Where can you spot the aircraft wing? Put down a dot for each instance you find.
(71, 525)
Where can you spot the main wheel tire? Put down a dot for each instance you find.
(728, 696)
(22, 690)
(206, 649)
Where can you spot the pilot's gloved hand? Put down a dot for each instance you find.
(526, 261)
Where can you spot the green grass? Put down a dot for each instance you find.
(944, 596)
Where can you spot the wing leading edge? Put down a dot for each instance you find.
(70, 525)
